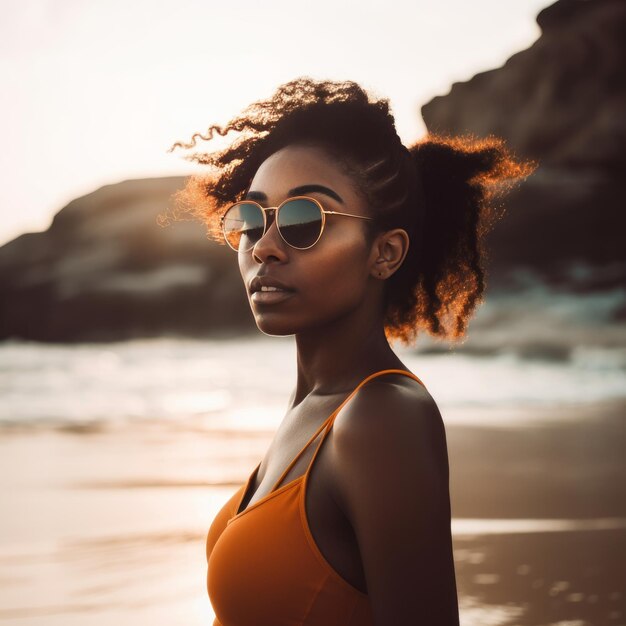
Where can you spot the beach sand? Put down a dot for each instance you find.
(103, 524)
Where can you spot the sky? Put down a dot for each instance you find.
(95, 92)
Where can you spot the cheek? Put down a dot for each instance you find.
(335, 276)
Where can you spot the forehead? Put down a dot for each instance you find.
(296, 165)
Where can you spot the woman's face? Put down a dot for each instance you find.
(330, 279)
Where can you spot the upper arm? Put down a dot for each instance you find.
(391, 469)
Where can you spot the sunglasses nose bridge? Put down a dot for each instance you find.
(269, 211)
(270, 217)
(269, 222)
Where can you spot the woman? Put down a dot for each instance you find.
(346, 239)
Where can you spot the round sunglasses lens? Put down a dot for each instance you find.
(243, 225)
(300, 222)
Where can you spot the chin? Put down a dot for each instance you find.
(275, 330)
(274, 323)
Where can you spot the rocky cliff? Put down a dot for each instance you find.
(563, 102)
(106, 270)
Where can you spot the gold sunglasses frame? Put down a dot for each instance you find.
(264, 210)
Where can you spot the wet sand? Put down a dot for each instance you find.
(559, 577)
(104, 524)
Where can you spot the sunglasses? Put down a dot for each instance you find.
(300, 221)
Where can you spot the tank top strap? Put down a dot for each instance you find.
(328, 422)
(306, 445)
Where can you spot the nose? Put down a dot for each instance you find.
(271, 243)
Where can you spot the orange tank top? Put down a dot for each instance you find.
(264, 567)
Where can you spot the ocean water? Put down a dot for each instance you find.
(246, 382)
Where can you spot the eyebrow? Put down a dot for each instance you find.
(298, 191)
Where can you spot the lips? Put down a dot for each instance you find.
(271, 297)
(266, 281)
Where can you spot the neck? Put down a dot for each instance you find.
(334, 358)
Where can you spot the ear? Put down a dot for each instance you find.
(388, 252)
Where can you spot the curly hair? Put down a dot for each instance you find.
(442, 190)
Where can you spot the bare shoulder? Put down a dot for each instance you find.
(393, 409)
(390, 430)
